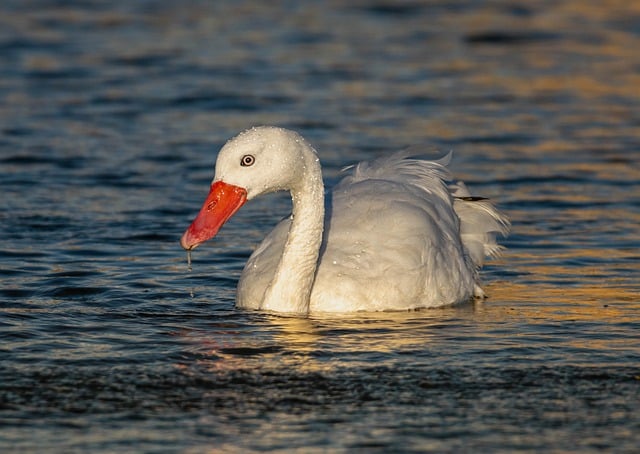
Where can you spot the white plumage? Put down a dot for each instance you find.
(394, 235)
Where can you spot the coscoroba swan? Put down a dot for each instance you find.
(393, 235)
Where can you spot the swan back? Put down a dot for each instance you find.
(479, 221)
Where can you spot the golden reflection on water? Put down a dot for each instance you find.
(320, 343)
(582, 302)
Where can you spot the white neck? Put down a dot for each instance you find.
(290, 289)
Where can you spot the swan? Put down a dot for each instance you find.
(395, 234)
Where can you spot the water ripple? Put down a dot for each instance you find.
(112, 114)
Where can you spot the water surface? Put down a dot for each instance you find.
(111, 117)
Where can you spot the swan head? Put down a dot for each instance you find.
(257, 161)
(262, 160)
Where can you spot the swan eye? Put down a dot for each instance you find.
(247, 160)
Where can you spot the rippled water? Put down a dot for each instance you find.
(110, 118)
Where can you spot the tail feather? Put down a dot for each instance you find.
(480, 223)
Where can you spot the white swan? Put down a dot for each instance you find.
(393, 235)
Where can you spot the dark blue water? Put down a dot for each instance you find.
(111, 114)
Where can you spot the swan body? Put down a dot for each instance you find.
(393, 235)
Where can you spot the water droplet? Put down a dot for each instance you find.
(190, 269)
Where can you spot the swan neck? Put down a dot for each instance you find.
(290, 290)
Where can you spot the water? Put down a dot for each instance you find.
(111, 116)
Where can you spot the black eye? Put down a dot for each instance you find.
(247, 160)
